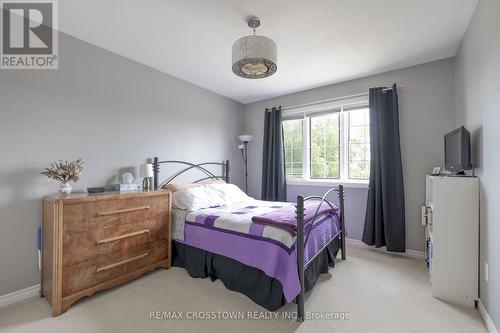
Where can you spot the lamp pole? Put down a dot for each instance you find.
(244, 154)
(245, 138)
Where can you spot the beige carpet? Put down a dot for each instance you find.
(380, 292)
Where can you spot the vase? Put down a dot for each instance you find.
(65, 188)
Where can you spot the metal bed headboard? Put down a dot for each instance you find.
(189, 166)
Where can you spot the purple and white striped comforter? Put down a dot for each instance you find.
(230, 232)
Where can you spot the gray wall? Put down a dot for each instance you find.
(426, 113)
(111, 112)
(477, 105)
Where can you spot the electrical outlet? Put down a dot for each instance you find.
(486, 273)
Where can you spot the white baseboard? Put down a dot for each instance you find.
(408, 253)
(486, 318)
(20, 295)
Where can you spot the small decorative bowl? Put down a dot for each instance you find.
(96, 189)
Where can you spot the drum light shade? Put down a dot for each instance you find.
(254, 57)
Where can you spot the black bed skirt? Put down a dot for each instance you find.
(250, 281)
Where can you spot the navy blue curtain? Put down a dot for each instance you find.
(273, 158)
(385, 211)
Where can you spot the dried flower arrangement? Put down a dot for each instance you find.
(64, 171)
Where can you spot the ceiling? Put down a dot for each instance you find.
(320, 42)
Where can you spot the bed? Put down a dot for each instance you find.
(272, 252)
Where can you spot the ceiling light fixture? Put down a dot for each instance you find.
(254, 57)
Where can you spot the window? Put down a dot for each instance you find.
(292, 136)
(331, 144)
(358, 144)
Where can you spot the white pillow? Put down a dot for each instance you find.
(229, 193)
(196, 198)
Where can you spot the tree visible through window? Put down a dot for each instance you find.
(325, 146)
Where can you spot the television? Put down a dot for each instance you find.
(457, 151)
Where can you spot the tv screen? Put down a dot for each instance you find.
(457, 150)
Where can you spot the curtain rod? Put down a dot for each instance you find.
(399, 86)
(335, 99)
(323, 101)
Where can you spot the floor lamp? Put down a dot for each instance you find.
(244, 153)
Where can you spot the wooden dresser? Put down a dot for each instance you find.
(94, 242)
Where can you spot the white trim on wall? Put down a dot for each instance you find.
(486, 318)
(408, 253)
(20, 295)
(326, 183)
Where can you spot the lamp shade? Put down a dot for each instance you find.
(246, 138)
(254, 57)
(146, 170)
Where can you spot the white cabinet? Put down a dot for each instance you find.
(453, 235)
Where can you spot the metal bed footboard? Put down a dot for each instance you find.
(302, 238)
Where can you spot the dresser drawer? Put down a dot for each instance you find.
(83, 275)
(113, 239)
(91, 215)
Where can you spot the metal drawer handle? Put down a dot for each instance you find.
(121, 211)
(123, 262)
(116, 238)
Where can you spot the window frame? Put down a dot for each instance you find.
(342, 106)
